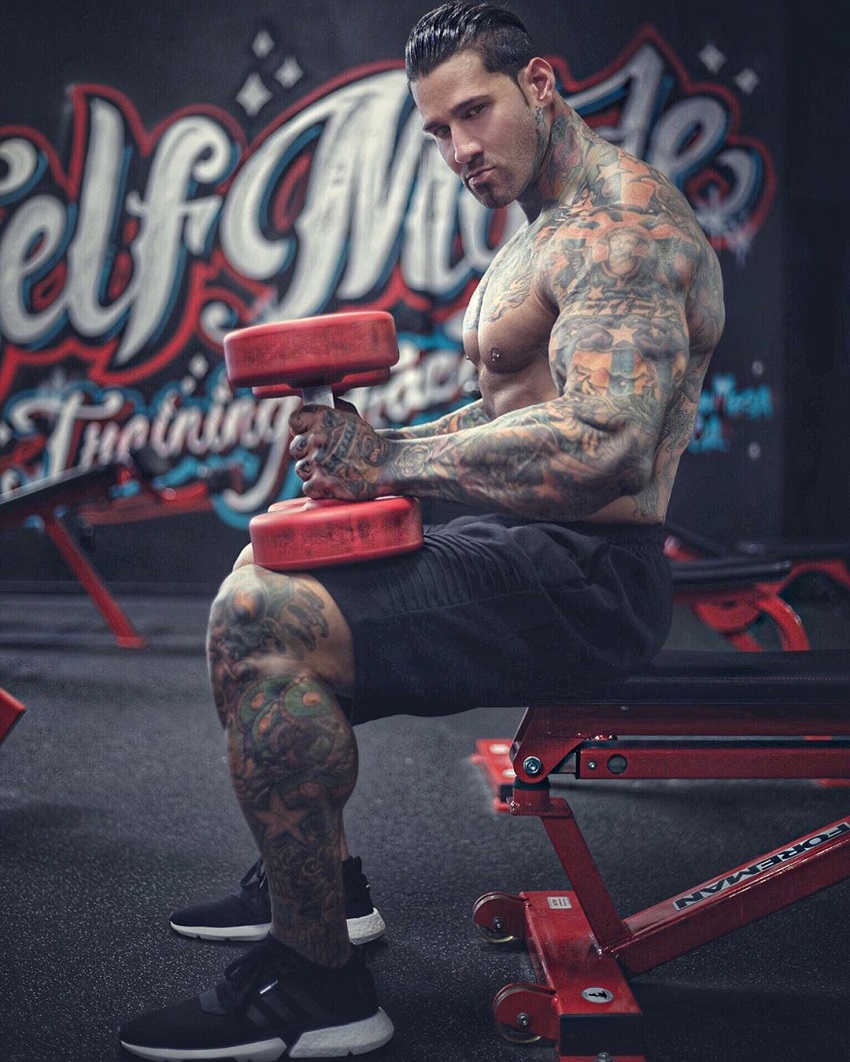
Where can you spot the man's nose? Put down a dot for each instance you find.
(465, 148)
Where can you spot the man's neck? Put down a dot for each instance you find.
(563, 169)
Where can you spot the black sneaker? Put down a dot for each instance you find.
(272, 1003)
(246, 915)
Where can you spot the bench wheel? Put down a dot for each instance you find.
(523, 1013)
(516, 1036)
(499, 917)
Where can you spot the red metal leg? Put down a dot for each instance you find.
(595, 1010)
(11, 711)
(792, 634)
(579, 866)
(581, 1001)
(125, 634)
(582, 952)
(734, 899)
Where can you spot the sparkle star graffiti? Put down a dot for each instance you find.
(255, 92)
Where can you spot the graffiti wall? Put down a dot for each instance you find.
(167, 176)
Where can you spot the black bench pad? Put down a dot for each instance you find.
(721, 573)
(691, 677)
(70, 488)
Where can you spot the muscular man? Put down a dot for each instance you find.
(591, 332)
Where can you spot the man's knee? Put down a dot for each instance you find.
(269, 623)
(290, 733)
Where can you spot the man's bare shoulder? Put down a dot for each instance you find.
(617, 181)
(685, 258)
(628, 229)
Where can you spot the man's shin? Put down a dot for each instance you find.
(293, 762)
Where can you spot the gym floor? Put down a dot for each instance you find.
(115, 807)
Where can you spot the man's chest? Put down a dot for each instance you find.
(509, 319)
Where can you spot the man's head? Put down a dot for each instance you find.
(485, 97)
(495, 34)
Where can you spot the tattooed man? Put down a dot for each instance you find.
(591, 332)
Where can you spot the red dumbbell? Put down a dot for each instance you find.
(320, 355)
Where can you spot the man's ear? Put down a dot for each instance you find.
(537, 79)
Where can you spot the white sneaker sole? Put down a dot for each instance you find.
(337, 1041)
(360, 930)
(367, 928)
(255, 931)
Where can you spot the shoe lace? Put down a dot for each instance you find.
(255, 879)
(248, 975)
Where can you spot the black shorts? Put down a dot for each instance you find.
(494, 610)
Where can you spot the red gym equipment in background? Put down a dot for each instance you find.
(733, 590)
(731, 595)
(50, 502)
(100, 496)
(320, 355)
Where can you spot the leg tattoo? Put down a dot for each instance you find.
(292, 752)
(293, 760)
(258, 618)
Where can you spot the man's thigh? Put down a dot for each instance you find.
(491, 610)
(285, 619)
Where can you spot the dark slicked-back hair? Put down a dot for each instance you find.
(497, 35)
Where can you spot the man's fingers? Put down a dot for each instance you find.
(298, 446)
(304, 416)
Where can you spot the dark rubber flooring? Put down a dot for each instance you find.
(115, 806)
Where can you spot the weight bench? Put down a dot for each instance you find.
(108, 494)
(757, 576)
(48, 500)
(730, 594)
(687, 715)
(829, 559)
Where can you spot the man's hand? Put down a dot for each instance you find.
(337, 454)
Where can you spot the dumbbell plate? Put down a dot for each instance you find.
(317, 533)
(313, 350)
(339, 387)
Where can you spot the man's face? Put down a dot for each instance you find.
(489, 129)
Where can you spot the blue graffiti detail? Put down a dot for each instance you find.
(722, 403)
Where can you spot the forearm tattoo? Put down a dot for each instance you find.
(469, 416)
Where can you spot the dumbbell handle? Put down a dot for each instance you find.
(317, 395)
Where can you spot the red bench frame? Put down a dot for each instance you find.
(688, 715)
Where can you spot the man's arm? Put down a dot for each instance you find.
(469, 416)
(618, 353)
(564, 459)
